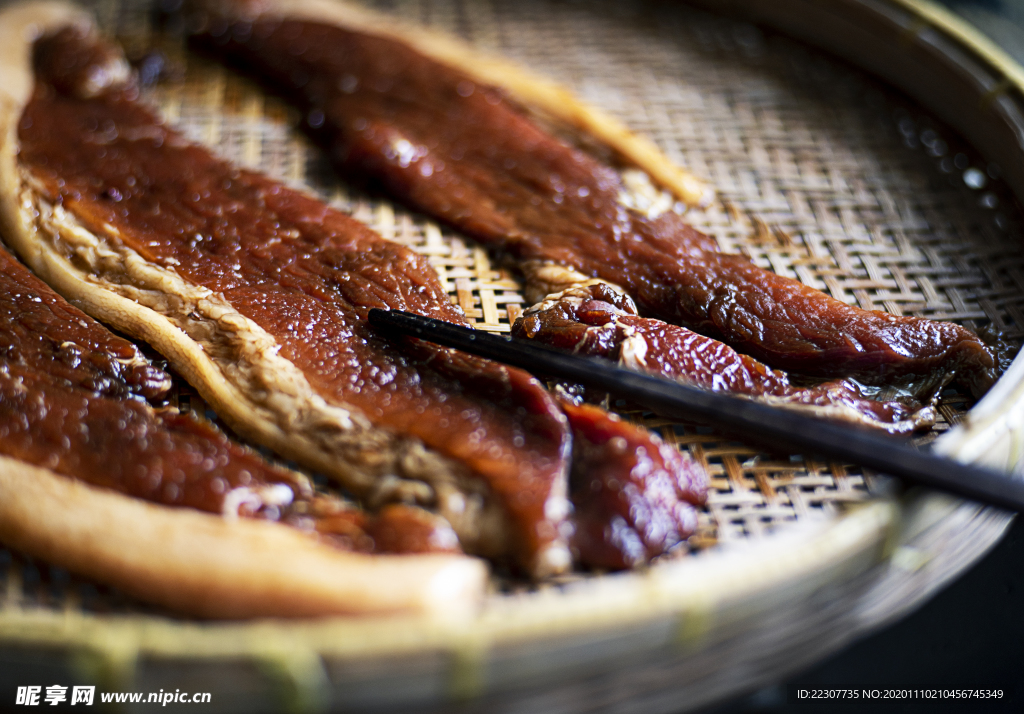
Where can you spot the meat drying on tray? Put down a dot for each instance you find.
(456, 137)
(258, 294)
(72, 402)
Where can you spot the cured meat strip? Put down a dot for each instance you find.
(436, 137)
(596, 319)
(171, 459)
(66, 388)
(634, 495)
(70, 389)
(70, 401)
(209, 566)
(66, 403)
(258, 294)
(40, 330)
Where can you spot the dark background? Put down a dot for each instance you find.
(971, 635)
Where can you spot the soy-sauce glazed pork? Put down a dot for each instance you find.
(275, 286)
(596, 319)
(426, 124)
(72, 400)
(258, 295)
(635, 496)
(73, 412)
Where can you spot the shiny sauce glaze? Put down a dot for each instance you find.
(40, 330)
(466, 154)
(634, 496)
(70, 401)
(123, 445)
(597, 320)
(168, 458)
(395, 528)
(303, 272)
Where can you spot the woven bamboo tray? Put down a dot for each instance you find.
(823, 174)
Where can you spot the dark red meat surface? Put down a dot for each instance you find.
(465, 154)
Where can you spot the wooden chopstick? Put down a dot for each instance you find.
(777, 429)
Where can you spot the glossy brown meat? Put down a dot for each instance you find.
(123, 445)
(597, 320)
(307, 275)
(465, 154)
(40, 330)
(69, 402)
(396, 528)
(634, 496)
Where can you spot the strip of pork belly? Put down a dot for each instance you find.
(596, 319)
(66, 402)
(460, 150)
(42, 331)
(275, 286)
(71, 401)
(634, 496)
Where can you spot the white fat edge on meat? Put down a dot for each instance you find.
(236, 366)
(639, 194)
